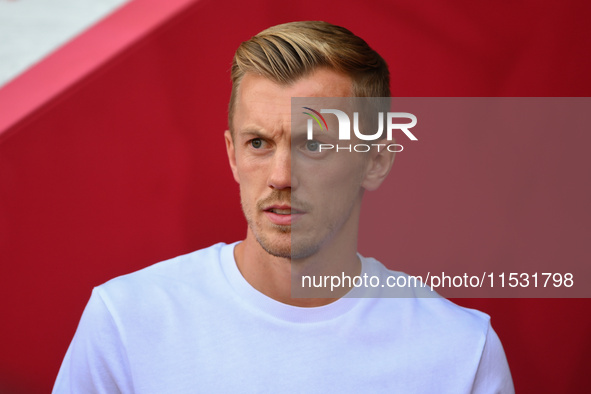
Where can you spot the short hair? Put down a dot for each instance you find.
(288, 52)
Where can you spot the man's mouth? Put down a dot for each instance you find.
(280, 211)
(283, 210)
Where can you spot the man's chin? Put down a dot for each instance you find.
(278, 241)
(288, 250)
(282, 229)
(277, 249)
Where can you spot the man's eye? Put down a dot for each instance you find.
(312, 146)
(256, 143)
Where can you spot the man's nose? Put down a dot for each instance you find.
(280, 175)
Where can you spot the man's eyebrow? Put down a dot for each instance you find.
(253, 131)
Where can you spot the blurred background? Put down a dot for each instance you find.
(31, 29)
(112, 157)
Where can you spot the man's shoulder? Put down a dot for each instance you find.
(192, 270)
(416, 302)
(456, 341)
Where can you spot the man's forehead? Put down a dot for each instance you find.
(260, 96)
(257, 94)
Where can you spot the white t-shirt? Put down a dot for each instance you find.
(193, 324)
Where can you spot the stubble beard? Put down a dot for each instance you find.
(283, 248)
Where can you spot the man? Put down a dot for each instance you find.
(224, 319)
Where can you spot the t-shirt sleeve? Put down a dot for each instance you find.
(493, 374)
(96, 361)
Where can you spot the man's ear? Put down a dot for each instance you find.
(378, 167)
(231, 150)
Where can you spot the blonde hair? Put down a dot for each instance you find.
(288, 52)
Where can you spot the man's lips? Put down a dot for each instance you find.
(283, 215)
(283, 210)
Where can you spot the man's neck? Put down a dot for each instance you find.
(280, 278)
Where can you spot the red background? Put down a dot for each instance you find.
(112, 155)
(493, 186)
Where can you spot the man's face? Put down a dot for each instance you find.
(294, 199)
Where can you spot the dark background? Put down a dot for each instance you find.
(112, 155)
